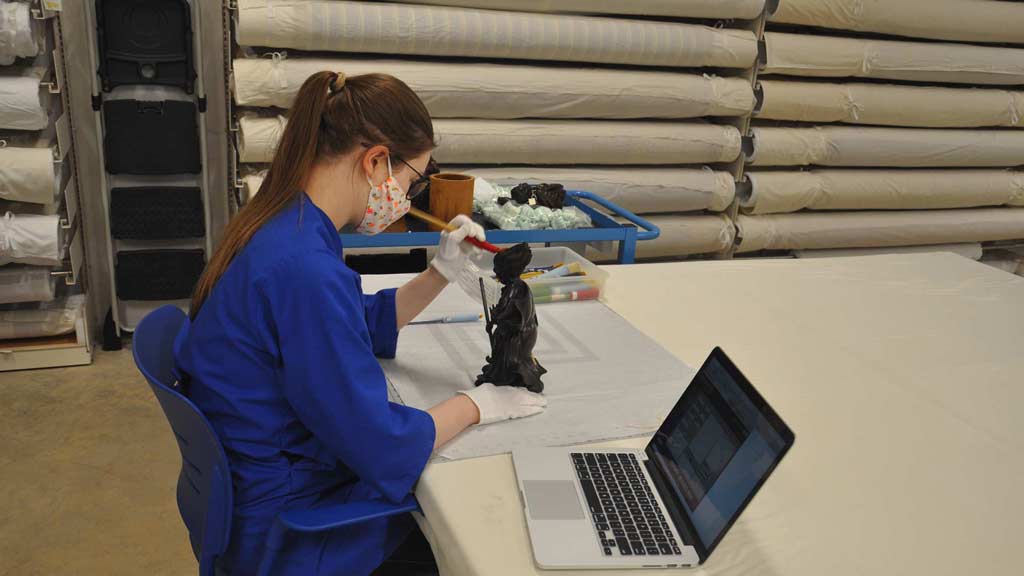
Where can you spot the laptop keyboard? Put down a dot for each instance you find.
(626, 515)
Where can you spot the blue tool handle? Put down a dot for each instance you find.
(650, 231)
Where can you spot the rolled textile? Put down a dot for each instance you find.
(251, 184)
(28, 175)
(960, 20)
(336, 26)
(25, 284)
(17, 32)
(30, 239)
(828, 56)
(43, 320)
(875, 229)
(775, 192)
(544, 142)
(639, 190)
(550, 142)
(971, 250)
(719, 9)
(504, 91)
(891, 105)
(687, 235)
(23, 103)
(894, 147)
(258, 137)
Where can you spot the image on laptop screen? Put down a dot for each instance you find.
(717, 446)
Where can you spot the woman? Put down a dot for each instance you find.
(280, 351)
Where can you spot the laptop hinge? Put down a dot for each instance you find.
(673, 507)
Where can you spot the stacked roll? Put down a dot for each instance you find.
(583, 93)
(864, 141)
(32, 234)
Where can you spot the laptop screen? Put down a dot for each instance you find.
(717, 446)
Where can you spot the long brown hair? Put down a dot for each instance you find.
(331, 115)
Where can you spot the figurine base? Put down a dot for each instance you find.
(526, 377)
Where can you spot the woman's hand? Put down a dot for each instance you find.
(452, 256)
(498, 403)
(484, 404)
(453, 253)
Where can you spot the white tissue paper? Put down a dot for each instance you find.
(30, 239)
(23, 102)
(17, 34)
(514, 216)
(43, 320)
(25, 284)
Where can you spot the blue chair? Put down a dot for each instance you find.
(204, 485)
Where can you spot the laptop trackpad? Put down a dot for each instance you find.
(552, 500)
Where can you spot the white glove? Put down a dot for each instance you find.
(497, 403)
(453, 253)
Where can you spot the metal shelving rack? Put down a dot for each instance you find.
(74, 348)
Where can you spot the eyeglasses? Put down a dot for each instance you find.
(422, 182)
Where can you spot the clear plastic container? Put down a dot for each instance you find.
(566, 288)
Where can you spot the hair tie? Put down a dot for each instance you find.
(337, 83)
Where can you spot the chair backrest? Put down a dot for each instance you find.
(204, 484)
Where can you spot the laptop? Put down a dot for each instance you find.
(668, 505)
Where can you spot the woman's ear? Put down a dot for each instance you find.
(375, 164)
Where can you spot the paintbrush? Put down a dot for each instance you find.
(430, 219)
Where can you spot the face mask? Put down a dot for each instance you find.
(387, 204)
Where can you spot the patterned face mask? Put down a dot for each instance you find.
(387, 204)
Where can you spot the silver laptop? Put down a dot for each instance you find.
(668, 505)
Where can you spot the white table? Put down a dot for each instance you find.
(902, 378)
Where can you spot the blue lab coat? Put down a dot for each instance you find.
(282, 360)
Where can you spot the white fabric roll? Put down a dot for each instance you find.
(335, 26)
(23, 104)
(251, 184)
(544, 142)
(17, 32)
(30, 239)
(28, 175)
(891, 105)
(972, 251)
(960, 20)
(639, 190)
(892, 147)
(550, 142)
(722, 9)
(50, 319)
(775, 192)
(827, 56)
(25, 284)
(504, 91)
(258, 137)
(873, 229)
(687, 235)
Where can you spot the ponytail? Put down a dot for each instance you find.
(331, 115)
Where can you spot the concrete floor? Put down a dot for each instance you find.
(88, 468)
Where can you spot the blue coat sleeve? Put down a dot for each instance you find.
(382, 322)
(332, 379)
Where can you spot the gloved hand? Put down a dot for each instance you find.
(453, 253)
(497, 403)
